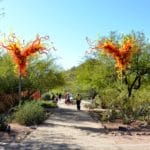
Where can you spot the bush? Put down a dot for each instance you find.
(47, 104)
(46, 96)
(104, 116)
(30, 113)
(114, 114)
(116, 99)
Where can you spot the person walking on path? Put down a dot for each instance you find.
(78, 101)
(67, 98)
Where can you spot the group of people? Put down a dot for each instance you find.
(68, 99)
(56, 97)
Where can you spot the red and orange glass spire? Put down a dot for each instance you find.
(121, 53)
(21, 52)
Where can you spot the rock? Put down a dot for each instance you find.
(142, 125)
(121, 128)
(143, 133)
(122, 133)
(129, 133)
(33, 127)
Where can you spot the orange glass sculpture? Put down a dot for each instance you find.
(121, 53)
(21, 52)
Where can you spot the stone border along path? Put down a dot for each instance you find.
(69, 129)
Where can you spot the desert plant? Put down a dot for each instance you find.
(46, 96)
(30, 113)
(47, 104)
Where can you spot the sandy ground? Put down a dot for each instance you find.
(68, 129)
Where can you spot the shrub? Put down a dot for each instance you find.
(30, 113)
(114, 114)
(88, 106)
(104, 116)
(47, 104)
(46, 96)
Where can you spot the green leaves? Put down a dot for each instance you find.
(43, 74)
(30, 113)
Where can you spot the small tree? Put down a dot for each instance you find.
(122, 53)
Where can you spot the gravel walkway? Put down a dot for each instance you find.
(69, 129)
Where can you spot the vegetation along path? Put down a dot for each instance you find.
(67, 128)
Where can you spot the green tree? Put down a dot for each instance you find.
(120, 94)
(43, 74)
(8, 79)
(138, 66)
(139, 71)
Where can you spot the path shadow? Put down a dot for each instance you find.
(13, 136)
(70, 115)
(4, 136)
(89, 129)
(80, 117)
(32, 145)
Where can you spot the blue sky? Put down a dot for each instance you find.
(69, 22)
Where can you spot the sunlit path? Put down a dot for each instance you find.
(68, 129)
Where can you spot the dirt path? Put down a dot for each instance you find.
(68, 129)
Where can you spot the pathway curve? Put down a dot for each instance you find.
(69, 129)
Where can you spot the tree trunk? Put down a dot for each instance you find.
(19, 88)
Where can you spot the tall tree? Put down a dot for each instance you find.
(132, 57)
